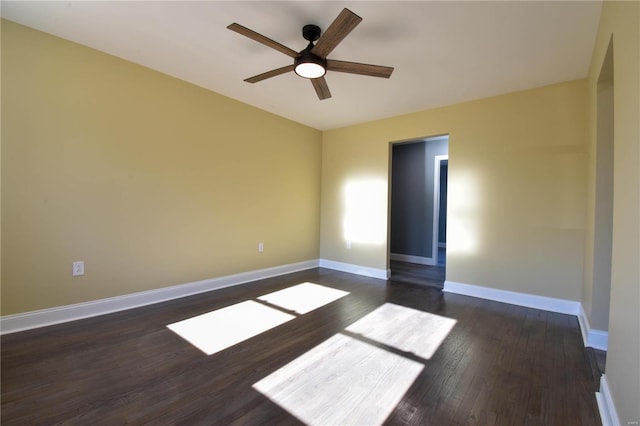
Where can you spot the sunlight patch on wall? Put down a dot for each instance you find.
(365, 218)
(405, 329)
(463, 214)
(303, 298)
(341, 381)
(223, 328)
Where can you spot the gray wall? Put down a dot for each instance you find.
(412, 180)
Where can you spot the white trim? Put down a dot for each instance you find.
(435, 237)
(596, 339)
(562, 306)
(413, 259)
(366, 271)
(57, 315)
(608, 412)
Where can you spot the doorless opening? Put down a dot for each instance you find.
(417, 227)
(603, 218)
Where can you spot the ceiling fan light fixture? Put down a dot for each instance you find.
(312, 63)
(308, 65)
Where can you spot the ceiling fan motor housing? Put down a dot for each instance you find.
(311, 32)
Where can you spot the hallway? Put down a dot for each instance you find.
(413, 273)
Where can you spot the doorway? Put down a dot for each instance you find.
(597, 297)
(417, 219)
(441, 174)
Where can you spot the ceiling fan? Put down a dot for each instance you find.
(312, 62)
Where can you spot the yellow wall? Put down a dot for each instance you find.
(621, 20)
(1, 22)
(150, 180)
(517, 193)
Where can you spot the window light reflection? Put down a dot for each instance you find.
(405, 329)
(347, 380)
(223, 328)
(303, 298)
(462, 214)
(341, 381)
(365, 219)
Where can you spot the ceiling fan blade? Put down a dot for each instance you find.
(322, 90)
(262, 39)
(356, 68)
(338, 30)
(269, 74)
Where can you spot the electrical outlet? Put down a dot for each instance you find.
(78, 269)
(260, 247)
(348, 244)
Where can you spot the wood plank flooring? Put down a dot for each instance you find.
(413, 273)
(500, 364)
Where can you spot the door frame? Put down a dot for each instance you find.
(438, 159)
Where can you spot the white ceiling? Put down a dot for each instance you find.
(443, 52)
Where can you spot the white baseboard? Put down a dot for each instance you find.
(596, 339)
(608, 412)
(41, 318)
(562, 306)
(382, 274)
(413, 259)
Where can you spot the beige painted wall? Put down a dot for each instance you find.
(1, 21)
(150, 180)
(517, 192)
(596, 289)
(621, 20)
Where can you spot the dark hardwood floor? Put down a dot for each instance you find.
(500, 364)
(413, 273)
(597, 360)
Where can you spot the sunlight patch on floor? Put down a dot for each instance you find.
(303, 298)
(222, 328)
(341, 381)
(406, 329)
